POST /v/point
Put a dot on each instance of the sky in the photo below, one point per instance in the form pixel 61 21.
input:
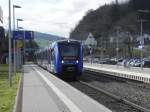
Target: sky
pixel 57 17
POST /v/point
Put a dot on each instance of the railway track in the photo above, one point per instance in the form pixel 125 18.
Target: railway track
pixel 111 100
pixel 121 100
pixel 131 90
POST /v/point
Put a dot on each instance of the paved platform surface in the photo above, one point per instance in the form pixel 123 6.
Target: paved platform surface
pixel 43 92
pixel 133 72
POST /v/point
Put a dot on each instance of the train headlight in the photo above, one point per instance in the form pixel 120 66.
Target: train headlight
pixel 77 61
pixel 62 61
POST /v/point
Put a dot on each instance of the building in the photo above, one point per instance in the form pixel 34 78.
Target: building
pixel 90 40
pixel 144 40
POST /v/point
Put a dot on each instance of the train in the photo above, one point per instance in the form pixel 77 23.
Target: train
pixel 63 58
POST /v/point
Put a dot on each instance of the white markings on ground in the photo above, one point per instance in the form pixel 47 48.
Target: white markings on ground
pixel 72 107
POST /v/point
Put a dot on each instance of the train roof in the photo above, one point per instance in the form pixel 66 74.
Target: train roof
pixel 67 41
pixel 56 42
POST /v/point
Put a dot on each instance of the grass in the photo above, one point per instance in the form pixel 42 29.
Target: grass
pixel 7 93
pixel 3 68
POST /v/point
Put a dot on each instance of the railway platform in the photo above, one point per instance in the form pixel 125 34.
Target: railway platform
pixel 134 73
pixel 43 92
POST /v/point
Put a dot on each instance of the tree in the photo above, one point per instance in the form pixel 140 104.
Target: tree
pixel 139 4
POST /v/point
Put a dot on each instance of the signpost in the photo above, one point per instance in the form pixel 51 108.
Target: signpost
pixel 21 36
pixel 90 42
pixel 19 44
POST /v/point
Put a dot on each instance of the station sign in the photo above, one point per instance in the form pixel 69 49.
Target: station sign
pixel 29 35
pixel 20 35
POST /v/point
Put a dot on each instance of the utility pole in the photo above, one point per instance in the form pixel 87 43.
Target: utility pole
pixel 10 35
pixel 101 48
pixel 117 44
pixel 24 46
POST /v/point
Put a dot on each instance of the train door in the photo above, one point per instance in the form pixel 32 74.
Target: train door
pixel 52 60
pixel 49 59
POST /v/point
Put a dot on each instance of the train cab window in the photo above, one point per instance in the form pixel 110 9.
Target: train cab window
pixel 69 50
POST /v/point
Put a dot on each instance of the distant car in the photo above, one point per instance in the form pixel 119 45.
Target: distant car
pixel 137 63
pixel 146 63
pixel 102 62
pixel 111 62
pixel 132 62
pixel 95 60
pixel 120 63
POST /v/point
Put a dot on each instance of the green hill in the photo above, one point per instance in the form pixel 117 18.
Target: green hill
pixel 105 21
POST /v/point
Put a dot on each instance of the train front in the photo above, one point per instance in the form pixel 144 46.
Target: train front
pixel 71 59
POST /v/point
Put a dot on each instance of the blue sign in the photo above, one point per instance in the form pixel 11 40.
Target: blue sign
pixel 20 35
pixel 29 35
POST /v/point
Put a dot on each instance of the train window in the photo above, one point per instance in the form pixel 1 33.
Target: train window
pixel 69 50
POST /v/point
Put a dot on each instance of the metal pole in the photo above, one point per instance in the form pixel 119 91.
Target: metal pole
pixel 20 62
pixel 24 46
pixel 14 40
pixel 141 43
pixel 10 63
pixel 141 28
pixel 101 49
pixel 117 47
pixel 17 24
pixel 19 49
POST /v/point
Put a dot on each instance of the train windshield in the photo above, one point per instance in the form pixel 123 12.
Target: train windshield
pixel 69 50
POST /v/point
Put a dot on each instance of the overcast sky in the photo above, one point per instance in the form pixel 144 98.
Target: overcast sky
pixel 56 17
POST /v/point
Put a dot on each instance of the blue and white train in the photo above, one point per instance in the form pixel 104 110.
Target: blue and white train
pixel 64 58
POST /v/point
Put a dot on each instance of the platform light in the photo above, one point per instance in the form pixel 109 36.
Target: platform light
pixel 77 61
pixel 14 7
pixel 62 61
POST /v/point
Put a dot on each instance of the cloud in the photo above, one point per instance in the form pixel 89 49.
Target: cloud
pixel 51 16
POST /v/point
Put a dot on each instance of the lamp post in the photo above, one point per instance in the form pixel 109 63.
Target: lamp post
pixel 14 6
pixel 9 34
pixel 19 54
pixel 24 44
pixel 18 22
